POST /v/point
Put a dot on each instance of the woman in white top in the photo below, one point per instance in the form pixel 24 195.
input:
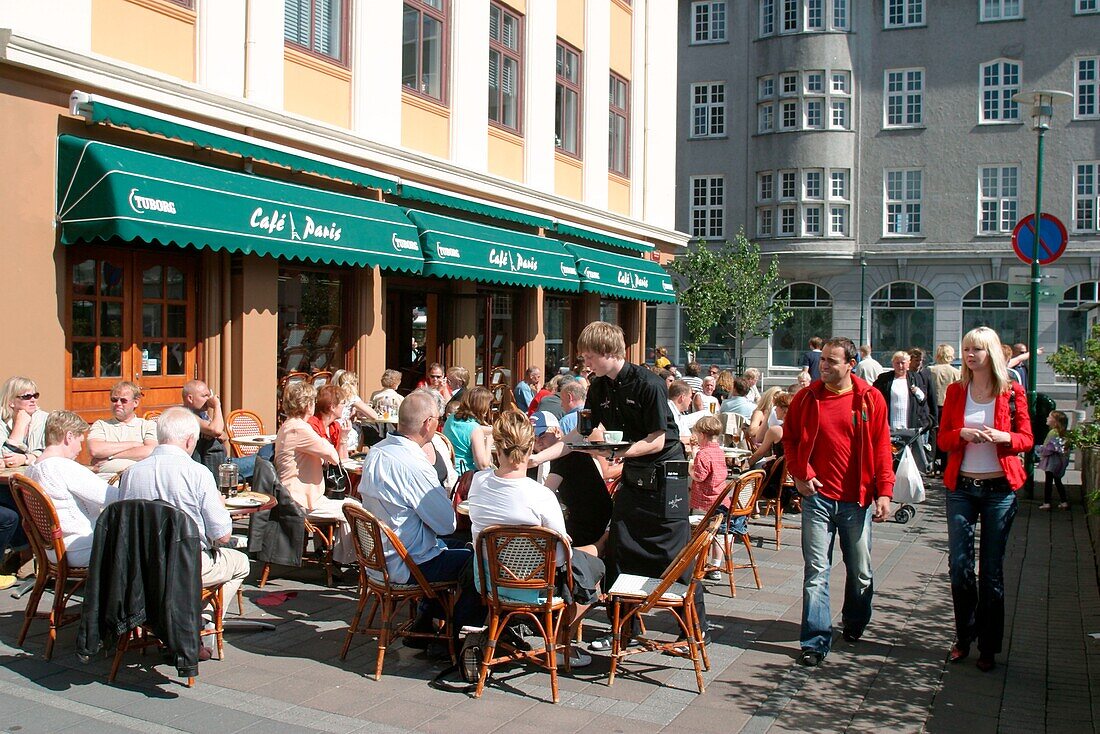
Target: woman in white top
pixel 78 495
pixel 354 408
pixel 906 402
pixel 762 417
pixel 507 496
pixel 387 400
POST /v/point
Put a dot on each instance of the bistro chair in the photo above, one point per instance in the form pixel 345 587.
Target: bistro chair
pixel 745 491
pixel 327 336
pixel 151 415
pixel 778 468
pixel 518 566
pixel 369 534
pixel 321 378
pixel 242 424
pixel 323 533
pixel 47 542
pixel 295 359
pixel 295 336
pixel 631 597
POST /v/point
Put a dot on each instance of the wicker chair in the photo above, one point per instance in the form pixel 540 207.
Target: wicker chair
pixel 152 415
pixel 46 539
pixel 631 597
pixel 744 490
pixel 323 532
pixel 521 560
pixel 776 505
pixel 241 424
pixel 375 585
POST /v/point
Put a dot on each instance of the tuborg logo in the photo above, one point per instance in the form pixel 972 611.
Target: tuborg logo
pixel 141 204
pixel 568 270
pixel 403 244
pixel 591 274
pixel 445 252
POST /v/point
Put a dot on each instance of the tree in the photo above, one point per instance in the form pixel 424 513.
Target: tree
pixel 728 291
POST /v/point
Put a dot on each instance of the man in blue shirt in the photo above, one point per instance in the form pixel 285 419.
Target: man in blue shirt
pixel 811 360
pixel 738 402
pixel 525 391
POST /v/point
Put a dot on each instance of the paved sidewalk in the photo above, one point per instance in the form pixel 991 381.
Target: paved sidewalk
pixel 895 679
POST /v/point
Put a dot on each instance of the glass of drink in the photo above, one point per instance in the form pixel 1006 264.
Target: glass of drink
pixel 584 423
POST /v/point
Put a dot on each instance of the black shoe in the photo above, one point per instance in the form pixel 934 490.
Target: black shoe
pixel 852 636
pixel 424 624
pixel 509 636
pixel 986 663
pixel 810 658
pixel 958 653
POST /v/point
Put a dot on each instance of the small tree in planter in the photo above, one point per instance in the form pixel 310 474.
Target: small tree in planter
pixel 1084 367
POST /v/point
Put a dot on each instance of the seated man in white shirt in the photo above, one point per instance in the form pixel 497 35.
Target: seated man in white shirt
pixel 125 439
pixel 77 494
pixel 169 474
pixel 680 396
pixel 705 399
pixel 402 489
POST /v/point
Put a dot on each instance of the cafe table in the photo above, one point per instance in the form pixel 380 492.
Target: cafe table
pixel 257 441
pixel 242 505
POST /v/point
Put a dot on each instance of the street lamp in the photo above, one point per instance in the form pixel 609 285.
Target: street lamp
pixel 1042 103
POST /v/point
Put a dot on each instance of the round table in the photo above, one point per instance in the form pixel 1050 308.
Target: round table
pixel 266 503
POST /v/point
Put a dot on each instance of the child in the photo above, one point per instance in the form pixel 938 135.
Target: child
pixel 1052 459
pixel 708 476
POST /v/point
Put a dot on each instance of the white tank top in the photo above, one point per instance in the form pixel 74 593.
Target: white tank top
pixel 979 458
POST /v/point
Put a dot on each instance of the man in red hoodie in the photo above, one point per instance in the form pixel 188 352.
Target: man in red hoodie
pixel 836 439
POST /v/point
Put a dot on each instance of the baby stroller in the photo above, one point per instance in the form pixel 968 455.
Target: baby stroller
pixel 909 487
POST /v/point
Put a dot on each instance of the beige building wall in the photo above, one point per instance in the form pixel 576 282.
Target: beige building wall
pixel 621 39
pixel 568 176
pixel 316 88
pixel 571 22
pixel 255 357
pixel 153 34
pixel 425 126
pixel 506 154
pixel 618 194
pixel 370 344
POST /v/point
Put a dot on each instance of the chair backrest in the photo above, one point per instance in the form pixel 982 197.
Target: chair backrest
pixel 296 335
pixel 39 518
pixel 295 359
pixel 774 469
pixel 326 335
pixel 693 555
pixel 712 511
pixel 746 492
pixel 241 424
pixel 519 558
pixel 152 415
pixel 367 533
pixel 321 378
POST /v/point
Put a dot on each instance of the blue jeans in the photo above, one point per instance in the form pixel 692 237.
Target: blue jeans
pixel 979 601
pixel 11 529
pixel 822 520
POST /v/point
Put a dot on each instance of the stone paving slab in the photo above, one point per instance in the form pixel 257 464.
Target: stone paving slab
pixel 895 679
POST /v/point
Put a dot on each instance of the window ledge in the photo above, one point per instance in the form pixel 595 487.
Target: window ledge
pixel 171 9
pixel 316 62
pixel 503 132
pixel 893 236
pixel 1000 122
pixel 619 178
pixel 568 158
pixel 887 128
pixel 708 137
pixel 904 27
pixel 418 100
pixel 1021 19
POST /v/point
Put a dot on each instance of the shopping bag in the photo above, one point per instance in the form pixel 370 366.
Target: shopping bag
pixel 909 486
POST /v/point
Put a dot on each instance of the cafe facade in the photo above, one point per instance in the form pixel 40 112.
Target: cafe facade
pixel 148 240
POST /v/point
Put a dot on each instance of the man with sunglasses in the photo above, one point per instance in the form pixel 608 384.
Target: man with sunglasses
pixel 125 438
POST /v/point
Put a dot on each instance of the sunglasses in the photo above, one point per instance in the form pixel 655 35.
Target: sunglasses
pixel 436 377
pixel 28 396
pixel 119 400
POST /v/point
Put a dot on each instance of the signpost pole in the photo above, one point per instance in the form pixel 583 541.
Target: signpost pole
pixel 1033 309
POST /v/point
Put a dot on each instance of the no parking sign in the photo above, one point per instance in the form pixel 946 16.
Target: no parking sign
pixel 1052 239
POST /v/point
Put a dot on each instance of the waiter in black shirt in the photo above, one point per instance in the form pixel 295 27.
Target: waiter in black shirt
pixel 646 533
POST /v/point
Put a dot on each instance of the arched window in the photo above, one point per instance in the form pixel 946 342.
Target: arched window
pixel 1073 323
pixel 989 305
pixel 902 316
pixel 811 315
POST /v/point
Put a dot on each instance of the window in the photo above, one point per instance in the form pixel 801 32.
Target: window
pixel 788 116
pixel 904 97
pixel 558 326
pixel 840 15
pixel 424 47
pixel 811 315
pixel 1086 6
pixel 838 185
pixel 317 26
pixel 767 17
pixel 1085 197
pixel 840 82
pixel 1085 88
pixel 815 82
pixel 765 186
pixel 786 221
pixel 567 100
pixel 815 15
pixel 839 117
pixel 838 221
pixel 708 110
pixel 904 13
pixel 1000 80
pixel 765 118
pixel 812 189
pixel 708 21
pixel 808 101
pixel 997 199
pixel 765 87
pixel 903 202
pixel 1073 322
pixel 902 314
pixel 505 66
pixel 788 84
pixel 811 221
pixel 1001 9
pixel 989 305
pixel 312 304
pixel 618 155
pixel 708 202
pixel 764 222
pixel 815 118
pixel 802 195
pixel 811 16
pixel 787 183
pixel 790 15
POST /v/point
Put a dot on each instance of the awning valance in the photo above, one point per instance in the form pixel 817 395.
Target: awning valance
pixel 592 235
pixel 622 276
pixel 455 248
pixel 107 191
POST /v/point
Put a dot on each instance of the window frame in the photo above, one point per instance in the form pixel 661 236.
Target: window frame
pixel 711 108
pixel 904 95
pixel 621 113
pixel 444 17
pixel 1004 92
pixel 1093 83
pixel 1080 9
pixel 787 195
pixel 516 55
pixel 982 18
pixel 570 86
pixel 906 12
pixel 709 208
pixel 344 59
pixel 1093 197
pixel 905 202
pixel 710 38
pixel 999 199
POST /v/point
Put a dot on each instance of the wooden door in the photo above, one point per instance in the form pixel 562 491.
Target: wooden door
pixel 132 316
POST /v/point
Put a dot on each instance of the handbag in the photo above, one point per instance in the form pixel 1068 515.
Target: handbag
pixel 337 481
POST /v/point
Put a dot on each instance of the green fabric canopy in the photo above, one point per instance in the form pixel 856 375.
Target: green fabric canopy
pixel 439 198
pixel 106 191
pixel 99 111
pixel 456 248
pixel 622 276
pixel 591 235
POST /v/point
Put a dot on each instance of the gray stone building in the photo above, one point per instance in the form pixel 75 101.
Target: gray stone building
pixel 873 146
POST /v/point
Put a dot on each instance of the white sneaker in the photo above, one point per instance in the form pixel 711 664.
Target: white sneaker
pixel 578 659
pixel 1044 506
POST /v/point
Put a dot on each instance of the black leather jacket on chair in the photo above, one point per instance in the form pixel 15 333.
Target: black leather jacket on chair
pixel 145 570
pixel 276 535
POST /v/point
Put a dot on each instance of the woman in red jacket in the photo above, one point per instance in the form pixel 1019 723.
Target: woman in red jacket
pixel 984 427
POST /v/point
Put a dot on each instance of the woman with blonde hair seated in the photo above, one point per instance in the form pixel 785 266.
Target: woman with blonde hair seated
pixel 22 422
pixel 507 496
pixel 354 409
pixel 763 417
pixel 300 455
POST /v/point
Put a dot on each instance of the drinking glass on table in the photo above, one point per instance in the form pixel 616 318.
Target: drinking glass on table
pixel 584 423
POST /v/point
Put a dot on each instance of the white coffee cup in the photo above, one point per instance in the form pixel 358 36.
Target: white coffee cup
pixel 613 436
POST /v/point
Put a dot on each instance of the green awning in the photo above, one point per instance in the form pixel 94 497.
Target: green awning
pixel 106 191
pixel 455 248
pixel 206 137
pixel 622 276
pixel 591 235
pixel 473 206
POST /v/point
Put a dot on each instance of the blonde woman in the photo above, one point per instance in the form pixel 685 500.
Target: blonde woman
pixel 763 417
pixel 985 426
pixel 22 423
pixel 354 408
